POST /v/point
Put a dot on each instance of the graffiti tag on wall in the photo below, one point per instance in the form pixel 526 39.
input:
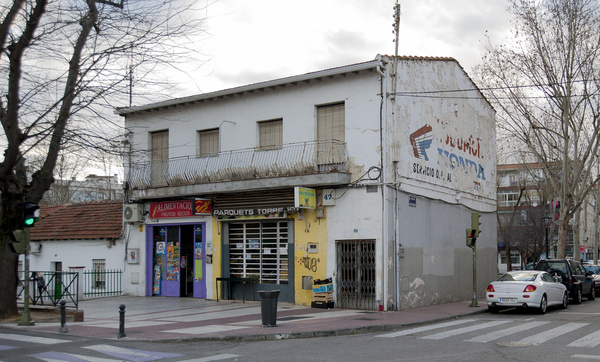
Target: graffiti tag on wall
pixel 309 263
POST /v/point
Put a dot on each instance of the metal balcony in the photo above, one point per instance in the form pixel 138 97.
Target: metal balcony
pixel 296 159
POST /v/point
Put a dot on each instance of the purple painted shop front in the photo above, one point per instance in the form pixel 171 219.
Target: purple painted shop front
pixel 176 260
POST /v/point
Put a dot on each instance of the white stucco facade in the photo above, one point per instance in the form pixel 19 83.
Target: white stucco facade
pixel 78 254
pixel 419 159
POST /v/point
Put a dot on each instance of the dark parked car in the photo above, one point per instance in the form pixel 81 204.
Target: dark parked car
pixel 573 275
pixel 595 269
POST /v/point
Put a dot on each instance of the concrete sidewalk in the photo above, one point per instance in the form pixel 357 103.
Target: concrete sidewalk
pixel 178 319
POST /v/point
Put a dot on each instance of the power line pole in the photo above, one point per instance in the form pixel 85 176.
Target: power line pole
pixel 396 25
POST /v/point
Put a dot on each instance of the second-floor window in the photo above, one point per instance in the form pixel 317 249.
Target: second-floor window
pixel 160 147
pixel 331 123
pixel 331 134
pixel 270 134
pixel 159 155
pixel 208 142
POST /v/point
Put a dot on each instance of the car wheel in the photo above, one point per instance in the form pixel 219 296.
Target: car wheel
pixel 543 305
pixel 492 309
pixel 592 294
pixel 578 297
pixel 565 301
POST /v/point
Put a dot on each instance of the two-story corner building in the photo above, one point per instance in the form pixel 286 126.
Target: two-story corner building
pixel 366 174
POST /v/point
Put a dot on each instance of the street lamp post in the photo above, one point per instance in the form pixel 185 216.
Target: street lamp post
pixel 546 220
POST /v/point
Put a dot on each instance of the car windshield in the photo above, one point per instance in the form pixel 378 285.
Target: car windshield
pixel 518 277
pixel 549 266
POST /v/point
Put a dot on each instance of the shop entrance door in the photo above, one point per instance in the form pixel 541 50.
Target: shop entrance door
pixel 260 251
pixel 186 270
pixel 356 274
pixel 177 267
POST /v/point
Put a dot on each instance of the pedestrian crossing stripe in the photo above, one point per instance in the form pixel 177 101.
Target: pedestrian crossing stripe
pixel 590 340
pixel 217 357
pixel 488 337
pixel 131 354
pixel 463 330
pixel 552 333
pixel 31 339
pixel 425 328
pixel 61 356
pixel 585 356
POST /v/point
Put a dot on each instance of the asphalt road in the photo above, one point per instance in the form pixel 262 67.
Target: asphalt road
pixel 559 335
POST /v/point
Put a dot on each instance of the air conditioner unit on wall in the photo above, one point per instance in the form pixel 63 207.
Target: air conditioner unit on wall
pixel 131 213
pixel 35 248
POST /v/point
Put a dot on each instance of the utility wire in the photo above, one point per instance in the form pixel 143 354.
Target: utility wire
pixel 435 93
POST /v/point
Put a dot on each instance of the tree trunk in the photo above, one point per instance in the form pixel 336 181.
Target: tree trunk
pixel 8 286
pixel 563 226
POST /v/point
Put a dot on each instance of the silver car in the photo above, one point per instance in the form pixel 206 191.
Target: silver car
pixel 526 289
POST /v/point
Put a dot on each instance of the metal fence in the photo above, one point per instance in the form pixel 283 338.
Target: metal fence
pixel 247 164
pixel 102 283
pixel 51 288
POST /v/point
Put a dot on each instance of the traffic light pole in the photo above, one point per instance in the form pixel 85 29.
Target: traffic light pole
pixel 473 234
pixel 26 318
pixel 474 301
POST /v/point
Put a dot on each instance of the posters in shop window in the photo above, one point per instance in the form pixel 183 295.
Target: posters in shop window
pixel 172 261
pixel 197 262
pixel 198 254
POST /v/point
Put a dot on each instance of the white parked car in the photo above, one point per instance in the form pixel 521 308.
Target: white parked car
pixel 526 289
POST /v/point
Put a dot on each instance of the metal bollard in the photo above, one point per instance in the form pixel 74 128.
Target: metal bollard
pixel 121 321
pixel 63 317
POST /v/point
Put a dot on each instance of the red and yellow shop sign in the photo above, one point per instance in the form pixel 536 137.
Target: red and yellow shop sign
pixel 202 206
pixel 184 208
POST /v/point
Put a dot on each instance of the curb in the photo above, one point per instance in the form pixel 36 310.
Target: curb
pixel 272 334
pixel 304 335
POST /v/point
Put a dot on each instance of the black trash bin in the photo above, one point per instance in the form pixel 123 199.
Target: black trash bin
pixel 268 307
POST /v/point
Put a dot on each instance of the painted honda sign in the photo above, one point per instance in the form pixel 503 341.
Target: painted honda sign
pixel 452 155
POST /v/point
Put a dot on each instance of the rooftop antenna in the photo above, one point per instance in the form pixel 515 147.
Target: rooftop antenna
pixel 396 25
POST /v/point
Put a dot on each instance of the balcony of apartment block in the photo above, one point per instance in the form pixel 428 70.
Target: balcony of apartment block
pixel 307 164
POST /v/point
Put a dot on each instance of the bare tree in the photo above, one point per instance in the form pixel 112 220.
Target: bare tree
pixel 545 85
pixel 508 230
pixel 520 227
pixel 64 66
pixel 65 173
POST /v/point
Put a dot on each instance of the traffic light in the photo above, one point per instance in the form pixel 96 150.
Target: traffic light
pixel 20 241
pixel 475 223
pixel 471 238
pixel 31 214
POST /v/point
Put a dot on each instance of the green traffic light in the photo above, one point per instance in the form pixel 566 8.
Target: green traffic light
pixel 31 214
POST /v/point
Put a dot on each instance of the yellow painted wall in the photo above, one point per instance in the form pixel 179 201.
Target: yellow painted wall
pixel 216 254
pixel 309 229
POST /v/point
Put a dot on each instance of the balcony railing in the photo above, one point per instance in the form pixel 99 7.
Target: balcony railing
pixel 289 160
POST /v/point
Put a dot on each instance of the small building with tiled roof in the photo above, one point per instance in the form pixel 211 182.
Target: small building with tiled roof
pixel 79 236
pixel 80 221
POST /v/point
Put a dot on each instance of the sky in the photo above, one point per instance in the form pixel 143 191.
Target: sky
pixel 249 41
pixel 260 40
